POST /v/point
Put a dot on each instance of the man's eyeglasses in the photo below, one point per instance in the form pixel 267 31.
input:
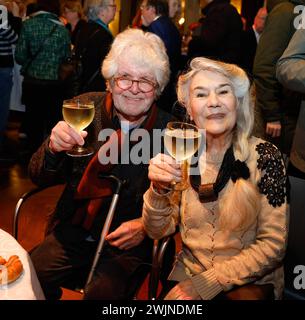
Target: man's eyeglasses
pixel 126 83
pixel 111 5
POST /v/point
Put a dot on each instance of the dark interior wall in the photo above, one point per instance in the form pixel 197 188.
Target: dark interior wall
pixel 249 9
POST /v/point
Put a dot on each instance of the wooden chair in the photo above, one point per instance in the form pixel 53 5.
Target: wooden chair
pixel 32 212
pixel 163 258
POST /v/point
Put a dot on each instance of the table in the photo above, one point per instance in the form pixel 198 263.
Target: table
pixel 27 286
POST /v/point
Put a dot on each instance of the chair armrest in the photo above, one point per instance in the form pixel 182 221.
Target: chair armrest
pixel 159 249
pixel 20 203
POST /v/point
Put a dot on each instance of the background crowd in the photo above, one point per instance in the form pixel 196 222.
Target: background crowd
pixel 81 29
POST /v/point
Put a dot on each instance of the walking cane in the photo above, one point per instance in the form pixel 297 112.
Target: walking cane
pixel 108 221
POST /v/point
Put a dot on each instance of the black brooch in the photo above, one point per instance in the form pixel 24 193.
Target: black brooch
pixel 230 168
pixel 240 170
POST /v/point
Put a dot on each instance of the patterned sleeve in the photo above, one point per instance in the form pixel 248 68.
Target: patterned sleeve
pixel 274 182
pixel 8 35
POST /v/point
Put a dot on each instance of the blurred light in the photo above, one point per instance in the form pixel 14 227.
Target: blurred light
pixel 237 5
pixel 181 21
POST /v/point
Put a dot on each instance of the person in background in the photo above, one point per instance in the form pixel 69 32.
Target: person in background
pixel 250 39
pixel 279 107
pixel 155 18
pixel 94 42
pixel 137 20
pixel 72 11
pixel 174 8
pixel 219 36
pixel 17 7
pixel 40 54
pixel 136 70
pixel 8 37
pixel 31 8
pixel 290 71
pixel 233 217
pixel 17 11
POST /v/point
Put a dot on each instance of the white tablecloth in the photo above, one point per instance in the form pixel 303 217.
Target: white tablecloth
pixel 27 286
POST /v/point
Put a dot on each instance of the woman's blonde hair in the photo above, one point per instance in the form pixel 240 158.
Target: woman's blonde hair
pixel 239 203
pixel 72 5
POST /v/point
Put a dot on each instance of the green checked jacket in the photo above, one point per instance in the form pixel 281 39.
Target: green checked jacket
pixel 55 49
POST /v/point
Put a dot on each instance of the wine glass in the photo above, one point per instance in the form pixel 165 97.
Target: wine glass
pixel 182 140
pixel 78 113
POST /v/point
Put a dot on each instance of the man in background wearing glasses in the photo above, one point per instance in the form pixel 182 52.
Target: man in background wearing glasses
pixel 155 16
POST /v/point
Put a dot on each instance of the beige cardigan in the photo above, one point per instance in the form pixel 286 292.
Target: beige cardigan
pixel 216 260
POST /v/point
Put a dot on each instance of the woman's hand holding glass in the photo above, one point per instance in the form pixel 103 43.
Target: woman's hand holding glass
pixel 64 138
pixel 163 170
pixel 181 140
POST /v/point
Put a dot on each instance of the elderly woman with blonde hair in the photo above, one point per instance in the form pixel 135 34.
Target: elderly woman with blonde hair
pixel 233 216
pixel 72 11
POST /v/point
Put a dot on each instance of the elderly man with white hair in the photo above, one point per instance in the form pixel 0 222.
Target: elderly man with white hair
pixel 136 70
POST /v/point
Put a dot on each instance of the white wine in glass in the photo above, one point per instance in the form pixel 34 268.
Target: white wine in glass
pixel 78 113
pixel 182 140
